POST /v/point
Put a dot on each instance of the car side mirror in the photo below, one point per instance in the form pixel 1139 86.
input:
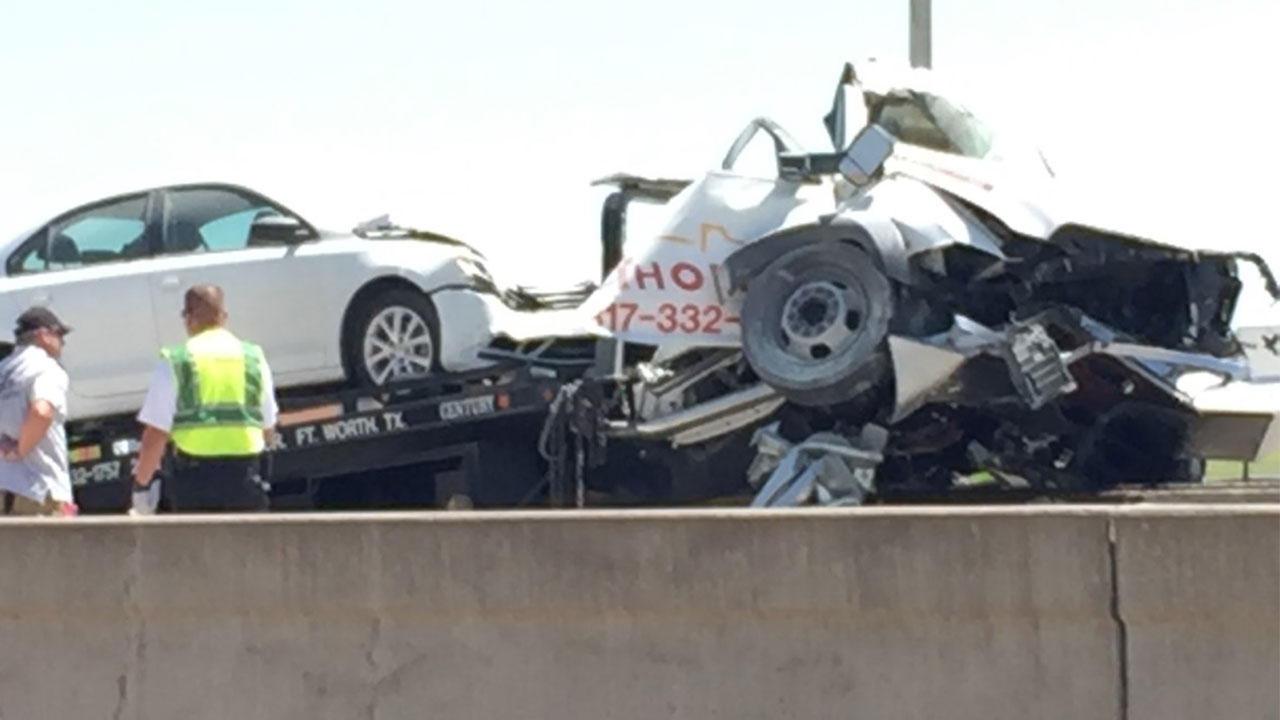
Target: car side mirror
pixel 277 229
pixel 866 155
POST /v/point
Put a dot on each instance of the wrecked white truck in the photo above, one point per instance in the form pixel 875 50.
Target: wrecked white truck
pixel 902 312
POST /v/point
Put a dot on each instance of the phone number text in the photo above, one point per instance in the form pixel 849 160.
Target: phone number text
pixel 668 317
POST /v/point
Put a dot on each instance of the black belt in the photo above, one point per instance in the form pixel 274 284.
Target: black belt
pixel 187 459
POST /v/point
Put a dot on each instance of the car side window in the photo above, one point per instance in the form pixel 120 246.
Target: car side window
pixel 212 219
pixel 113 231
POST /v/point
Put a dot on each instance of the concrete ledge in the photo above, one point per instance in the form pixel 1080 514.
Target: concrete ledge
pixel 736 613
pixel 648 515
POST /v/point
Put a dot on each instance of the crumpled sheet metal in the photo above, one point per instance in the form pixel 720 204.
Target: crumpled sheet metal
pixel 826 468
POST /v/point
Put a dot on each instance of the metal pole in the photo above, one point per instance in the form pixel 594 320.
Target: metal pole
pixel 921 33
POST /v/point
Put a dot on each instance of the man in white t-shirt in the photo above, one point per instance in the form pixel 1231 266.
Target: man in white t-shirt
pixel 34 475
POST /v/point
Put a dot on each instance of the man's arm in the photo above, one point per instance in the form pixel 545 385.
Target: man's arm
pixel 154 441
pixel 45 399
pixel 270 410
pixel 156 418
pixel 34 426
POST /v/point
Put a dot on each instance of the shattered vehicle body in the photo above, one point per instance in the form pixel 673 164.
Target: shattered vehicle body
pixel 905 311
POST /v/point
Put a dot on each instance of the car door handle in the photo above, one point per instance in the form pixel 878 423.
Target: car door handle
pixel 169 283
pixel 43 298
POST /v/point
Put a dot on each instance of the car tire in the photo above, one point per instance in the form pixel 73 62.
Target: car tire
pixel 394 336
pixel 1140 443
pixel 814 324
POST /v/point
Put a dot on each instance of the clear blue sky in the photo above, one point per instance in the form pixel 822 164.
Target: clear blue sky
pixel 487 120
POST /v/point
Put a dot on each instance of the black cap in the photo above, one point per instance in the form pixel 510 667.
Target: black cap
pixel 39 317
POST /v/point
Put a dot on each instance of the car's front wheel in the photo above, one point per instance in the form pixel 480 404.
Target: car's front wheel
pixel 394 337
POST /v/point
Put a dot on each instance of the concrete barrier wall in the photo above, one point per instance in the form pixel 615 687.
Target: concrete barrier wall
pixel 897 613
pixel 1199 594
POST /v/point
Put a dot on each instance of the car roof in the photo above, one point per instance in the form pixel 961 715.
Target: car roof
pixel 69 205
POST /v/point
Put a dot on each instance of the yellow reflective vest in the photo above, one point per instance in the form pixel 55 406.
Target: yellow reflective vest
pixel 219 395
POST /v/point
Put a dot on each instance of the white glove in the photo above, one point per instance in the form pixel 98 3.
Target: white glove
pixel 146 499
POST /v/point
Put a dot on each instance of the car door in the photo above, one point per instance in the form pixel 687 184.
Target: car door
pixel 271 284
pixel 91 266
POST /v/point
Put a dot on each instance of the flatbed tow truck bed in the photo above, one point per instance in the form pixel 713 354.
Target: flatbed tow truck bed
pixel 441 440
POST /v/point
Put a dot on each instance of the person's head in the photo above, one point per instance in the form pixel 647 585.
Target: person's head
pixel 202 308
pixel 38 326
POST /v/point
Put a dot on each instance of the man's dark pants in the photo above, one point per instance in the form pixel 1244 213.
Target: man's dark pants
pixel 222 484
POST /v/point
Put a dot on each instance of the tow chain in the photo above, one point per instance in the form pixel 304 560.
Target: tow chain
pixel 573 425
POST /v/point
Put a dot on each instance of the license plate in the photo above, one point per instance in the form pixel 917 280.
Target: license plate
pixel 471 407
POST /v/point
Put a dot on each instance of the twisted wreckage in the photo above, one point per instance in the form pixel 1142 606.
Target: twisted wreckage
pixel 901 312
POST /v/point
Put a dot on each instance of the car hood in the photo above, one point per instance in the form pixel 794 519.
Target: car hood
pixel 1035 206
pixel 382 228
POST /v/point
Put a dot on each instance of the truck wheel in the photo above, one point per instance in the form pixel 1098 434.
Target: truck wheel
pixel 814 323
pixel 393 337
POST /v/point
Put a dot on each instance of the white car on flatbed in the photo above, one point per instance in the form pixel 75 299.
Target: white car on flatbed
pixel 371 305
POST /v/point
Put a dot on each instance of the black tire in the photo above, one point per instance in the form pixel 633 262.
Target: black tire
pixel 838 279
pixel 1139 443
pixel 372 309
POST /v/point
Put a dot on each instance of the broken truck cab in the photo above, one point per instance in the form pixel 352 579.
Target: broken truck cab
pixel 908 308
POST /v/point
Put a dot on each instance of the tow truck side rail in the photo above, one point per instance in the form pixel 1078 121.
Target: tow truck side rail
pixel 325 433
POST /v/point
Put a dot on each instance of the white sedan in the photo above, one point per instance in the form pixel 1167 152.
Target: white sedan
pixel 371 305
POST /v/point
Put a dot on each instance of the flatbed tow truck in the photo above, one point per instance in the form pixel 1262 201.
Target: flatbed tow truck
pixel 445 440
pixel 469 440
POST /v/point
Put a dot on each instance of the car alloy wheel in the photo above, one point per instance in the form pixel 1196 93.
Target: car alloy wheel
pixel 397 345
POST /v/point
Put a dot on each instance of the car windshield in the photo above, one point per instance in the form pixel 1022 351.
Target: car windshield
pixel 934 122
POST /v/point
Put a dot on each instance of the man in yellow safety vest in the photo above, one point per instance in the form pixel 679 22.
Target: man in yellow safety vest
pixel 213 396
